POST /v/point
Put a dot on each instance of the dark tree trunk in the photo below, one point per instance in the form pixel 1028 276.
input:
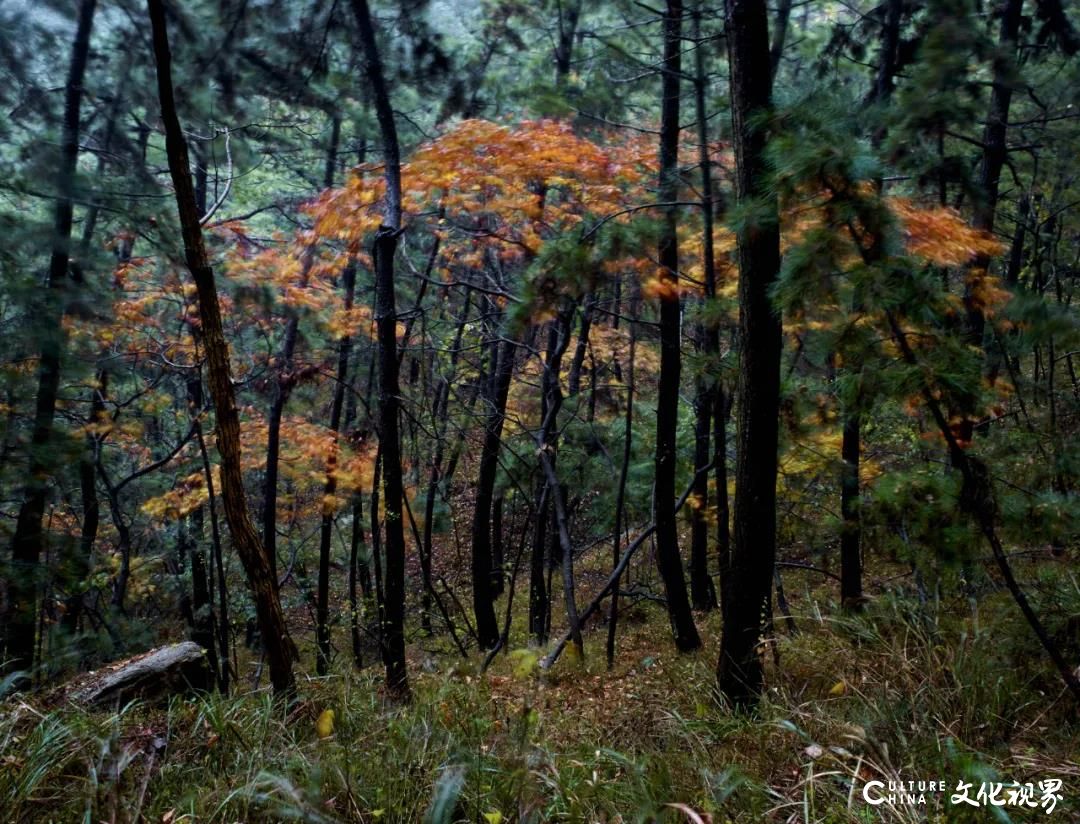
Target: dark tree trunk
pixel 702 589
pixel 215 545
pixel 498 554
pixel 776 51
pixel 200 605
pixel 487 626
pixel 279 647
pixel 91 505
pixel 573 379
pixel 273 445
pixel 28 542
pixel 376 553
pixel 851 588
pixel 620 495
pixel 884 82
pixel 202 626
pixel 569 13
pixel 386 329
pixel 539 602
pixel 995 153
pixel 748 583
pixel 355 568
pixel 87 474
pixel 667 405
pixel 721 410
pixel 1016 250
pixel 547 442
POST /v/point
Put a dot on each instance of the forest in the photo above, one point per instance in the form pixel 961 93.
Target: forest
pixel 501 411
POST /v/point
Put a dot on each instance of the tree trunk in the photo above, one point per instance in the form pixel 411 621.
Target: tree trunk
pixel 176 668
pixel 215 545
pixel 487 627
pixel 441 414
pixel 995 153
pixel 890 44
pixel 569 13
pixel 620 496
pixel 702 589
pixel 539 602
pixel 573 378
pixel 28 542
pixel 721 410
pixel 748 584
pixel 851 589
pixel 91 505
pixel 776 51
pixel 547 442
pixel 386 330
pixel 498 554
pixel 667 405
pixel 280 649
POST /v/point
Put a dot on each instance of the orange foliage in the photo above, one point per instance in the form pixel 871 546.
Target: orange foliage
pixel 940 236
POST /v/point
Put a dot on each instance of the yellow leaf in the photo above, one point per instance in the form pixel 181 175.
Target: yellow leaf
pixel 839 688
pixel 324 726
pixel 494 817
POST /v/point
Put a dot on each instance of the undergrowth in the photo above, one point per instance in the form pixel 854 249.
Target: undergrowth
pixel 900 692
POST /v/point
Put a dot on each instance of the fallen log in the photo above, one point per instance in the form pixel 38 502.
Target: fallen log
pixel 175 668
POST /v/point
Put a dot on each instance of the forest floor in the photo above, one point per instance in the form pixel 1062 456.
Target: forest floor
pixel 947 692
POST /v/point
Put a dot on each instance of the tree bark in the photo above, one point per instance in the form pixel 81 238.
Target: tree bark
pixel 215 545
pixel 620 495
pixel 667 405
pixel 280 649
pixel 177 668
pixel 386 331
pixel 547 442
pixel 487 627
pixel 748 584
pixel 702 589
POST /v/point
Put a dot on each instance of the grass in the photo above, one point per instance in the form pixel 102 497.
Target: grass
pixel 894 693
